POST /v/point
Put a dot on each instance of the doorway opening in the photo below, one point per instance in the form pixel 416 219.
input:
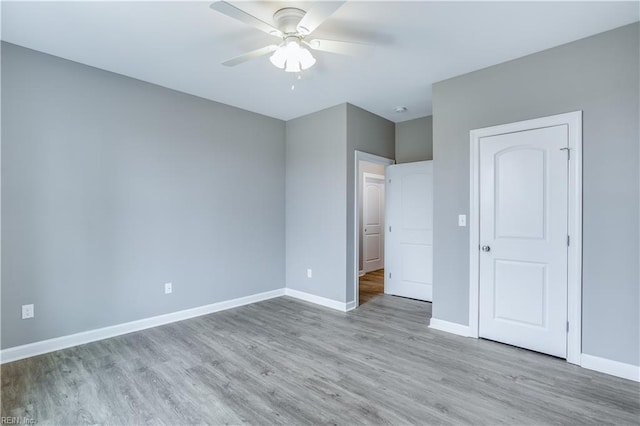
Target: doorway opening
pixel 369 226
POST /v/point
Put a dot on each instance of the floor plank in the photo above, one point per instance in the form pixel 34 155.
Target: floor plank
pixel 284 361
pixel 371 285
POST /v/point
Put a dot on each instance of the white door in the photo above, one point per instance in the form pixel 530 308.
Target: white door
pixel 523 239
pixel 409 232
pixel 372 222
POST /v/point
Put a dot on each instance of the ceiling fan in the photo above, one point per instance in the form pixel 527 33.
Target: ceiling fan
pixel 292 26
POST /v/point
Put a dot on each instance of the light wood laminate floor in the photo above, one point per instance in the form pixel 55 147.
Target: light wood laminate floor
pixel 371 285
pixel 284 361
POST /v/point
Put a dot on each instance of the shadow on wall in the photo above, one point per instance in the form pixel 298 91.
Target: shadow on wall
pixel 414 140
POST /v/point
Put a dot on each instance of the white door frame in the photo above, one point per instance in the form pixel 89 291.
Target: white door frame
pixel 366 175
pixel 371 158
pixel 573 121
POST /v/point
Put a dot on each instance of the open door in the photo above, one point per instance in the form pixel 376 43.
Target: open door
pixel 409 230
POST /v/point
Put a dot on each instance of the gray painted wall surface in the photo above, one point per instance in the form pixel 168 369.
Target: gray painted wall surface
pixel 316 198
pixel 320 195
pixel 112 187
pixel 369 133
pixel 598 75
pixel 414 140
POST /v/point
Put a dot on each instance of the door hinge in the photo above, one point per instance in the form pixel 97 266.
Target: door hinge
pixel 389 275
pixel 389 180
pixel 568 152
pixel 389 228
pixel 567 326
pixel 568 241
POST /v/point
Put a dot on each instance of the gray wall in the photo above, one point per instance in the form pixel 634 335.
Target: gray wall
pixel 321 192
pixel 112 187
pixel 414 140
pixel 369 133
pixel 316 198
pixel 598 75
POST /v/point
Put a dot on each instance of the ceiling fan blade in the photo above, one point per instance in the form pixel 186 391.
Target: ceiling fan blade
pixel 318 13
pixel 239 14
pixel 334 46
pixel 251 55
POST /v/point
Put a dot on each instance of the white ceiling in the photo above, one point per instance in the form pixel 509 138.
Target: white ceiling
pixel 180 45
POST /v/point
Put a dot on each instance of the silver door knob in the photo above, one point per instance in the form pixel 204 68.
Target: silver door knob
pixel 486 248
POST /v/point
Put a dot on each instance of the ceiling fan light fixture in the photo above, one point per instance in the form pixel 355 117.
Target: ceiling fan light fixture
pixel 292 57
pixel 291 25
pixel 306 59
pixel 292 66
pixel 279 57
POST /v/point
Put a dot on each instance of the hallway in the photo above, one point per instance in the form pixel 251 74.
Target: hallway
pixel 371 285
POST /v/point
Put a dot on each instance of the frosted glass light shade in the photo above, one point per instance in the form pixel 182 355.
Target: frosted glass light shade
pixel 306 59
pixel 292 66
pixel 279 57
pixel 292 57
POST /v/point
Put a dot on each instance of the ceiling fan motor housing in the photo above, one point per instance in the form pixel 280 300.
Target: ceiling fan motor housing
pixel 287 20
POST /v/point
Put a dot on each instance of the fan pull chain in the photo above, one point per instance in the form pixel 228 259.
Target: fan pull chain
pixel 298 77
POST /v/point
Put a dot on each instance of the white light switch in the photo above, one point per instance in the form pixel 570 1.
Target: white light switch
pixel 27 311
pixel 309 273
pixel 168 288
pixel 462 220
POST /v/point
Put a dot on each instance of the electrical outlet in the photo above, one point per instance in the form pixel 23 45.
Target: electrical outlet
pixel 309 273
pixel 168 288
pixel 27 311
pixel 462 220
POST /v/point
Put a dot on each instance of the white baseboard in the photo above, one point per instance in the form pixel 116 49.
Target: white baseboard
pixel 603 365
pixel 318 300
pixel 590 362
pixel 615 368
pixel 50 345
pixel 361 273
pixel 449 327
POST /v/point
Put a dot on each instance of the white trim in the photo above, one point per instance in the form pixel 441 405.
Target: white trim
pixel 350 306
pixel 371 158
pixel 615 368
pixel 574 288
pixel 361 273
pixel 319 300
pixel 31 349
pixel 449 327
pixel 373 175
pixel 574 297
